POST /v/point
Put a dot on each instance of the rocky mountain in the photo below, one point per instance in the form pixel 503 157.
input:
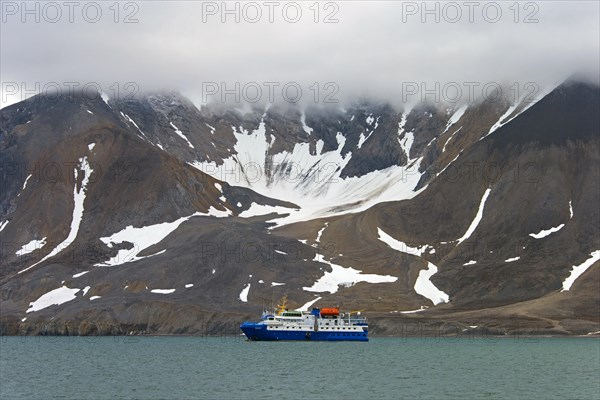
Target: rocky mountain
pixel 149 214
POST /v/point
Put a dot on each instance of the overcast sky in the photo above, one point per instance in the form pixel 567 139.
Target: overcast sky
pixel 375 49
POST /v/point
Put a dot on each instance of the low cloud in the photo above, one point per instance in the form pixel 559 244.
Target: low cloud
pixel 373 49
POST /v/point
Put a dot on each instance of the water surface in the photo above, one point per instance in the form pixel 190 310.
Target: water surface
pixel 231 368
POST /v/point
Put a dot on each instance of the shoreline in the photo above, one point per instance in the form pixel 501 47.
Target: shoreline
pixel 242 337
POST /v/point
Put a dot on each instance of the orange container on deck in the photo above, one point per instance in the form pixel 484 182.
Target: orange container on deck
pixel 332 311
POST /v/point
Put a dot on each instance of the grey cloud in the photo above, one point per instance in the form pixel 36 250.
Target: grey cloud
pixel 369 52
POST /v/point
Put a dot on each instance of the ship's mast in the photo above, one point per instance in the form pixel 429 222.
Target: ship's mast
pixel 281 307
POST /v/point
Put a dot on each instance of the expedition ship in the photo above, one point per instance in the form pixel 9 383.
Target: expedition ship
pixel 325 324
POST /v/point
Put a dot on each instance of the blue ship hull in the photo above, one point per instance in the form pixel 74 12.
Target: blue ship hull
pixel 259 332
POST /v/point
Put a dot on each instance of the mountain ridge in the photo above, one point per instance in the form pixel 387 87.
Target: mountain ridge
pixel 414 180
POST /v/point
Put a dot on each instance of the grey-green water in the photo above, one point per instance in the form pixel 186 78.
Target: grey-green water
pixel 230 368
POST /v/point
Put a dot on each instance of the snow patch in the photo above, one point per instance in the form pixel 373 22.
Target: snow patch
pixel 456 117
pixel 31 246
pixel 86 289
pixel 277 284
pixel 105 98
pixel 213 212
pixel 54 297
pixel 162 291
pixel 91 146
pixel 450 163
pixel 144 237
pixel 423 308
pixel 400 246
pixel 141 238
pixel 78 201
pixel 426 288
pixel 260 209
pixel 3 225
pixel 312 180
pixel 477 218
pixel 95 297
pixel 423 284
pixel 244 293
pixel 80 274
pixel 472 262
pixel 306 128
pixel 320 233
pixel 450 138
pixel 363 138
pixel 25 183
pixel 524 98
pixel 189 285
pixel 306 306
pixel 578 270
pixel 341 276
pixel 181 135
pixel 513 259
pixel 128 118
pixel 501 121
pixel 570 210
pixel 545 232
pixel 406 143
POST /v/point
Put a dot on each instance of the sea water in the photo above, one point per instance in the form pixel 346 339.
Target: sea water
pixel 232 368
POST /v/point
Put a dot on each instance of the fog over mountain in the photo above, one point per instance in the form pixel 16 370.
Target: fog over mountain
pixel 367 49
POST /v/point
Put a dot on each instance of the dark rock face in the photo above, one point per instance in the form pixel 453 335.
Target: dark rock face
pixel 537 168
pixel 536 172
